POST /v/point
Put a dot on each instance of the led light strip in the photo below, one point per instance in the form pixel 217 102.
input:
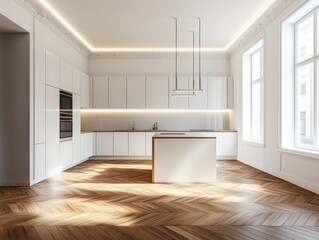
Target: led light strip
pixel 153 50
pixel 155 110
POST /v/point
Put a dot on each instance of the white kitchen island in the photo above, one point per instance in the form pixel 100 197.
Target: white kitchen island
pixel 184 157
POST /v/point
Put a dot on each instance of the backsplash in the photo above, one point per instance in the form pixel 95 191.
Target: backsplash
pixel 99 120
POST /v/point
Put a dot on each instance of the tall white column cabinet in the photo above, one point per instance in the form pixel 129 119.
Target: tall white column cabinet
pixel 52 70
pixel 117 92
pixel 136 92
pixel 157 92
pixel 76 157
pixel 66 76
pixel 100 92
pixel 52 131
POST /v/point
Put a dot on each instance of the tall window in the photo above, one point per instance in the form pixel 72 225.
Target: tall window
pixel 305 83
pixel 299 79
pixel 253 93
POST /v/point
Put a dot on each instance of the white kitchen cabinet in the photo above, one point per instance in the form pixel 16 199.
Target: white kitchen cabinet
pixel 66 153
pixel 148 143
pixel 157 92
pixel 217 92
pixel 76 76
pixel 121 144
pixel 87 145
pixel 66 78
pixel 100 92
pixel 85 91
pixel 136 144
pixel 117 92
pixel 136 92
pixel 104 144
pixel 53 165
pixel 199 101
pixel 76 129
pixel 178 102
pixel 39 162
pixel 39 83
pixel 52 70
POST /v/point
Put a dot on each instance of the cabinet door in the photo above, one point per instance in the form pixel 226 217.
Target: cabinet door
pixel 87 145
pixel 39 83
pixel 178 102
pixel 39 162
pixel 121 144
pixel 148 143
pixel 104 144
pixel 199 101
pixel 137 144
pixel 157 93
pixel 85 91
pixel 76 81
pixel 52 131
pixel 217 92
pixel 100 92
pixel 117 92
pixel 136 92
pixel 66 78
pixel 66 153
pixel 52 70
pixel 76 129
pixel 226 145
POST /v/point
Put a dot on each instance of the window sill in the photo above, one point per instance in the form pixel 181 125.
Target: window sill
pixel 256 144
pixel 306 153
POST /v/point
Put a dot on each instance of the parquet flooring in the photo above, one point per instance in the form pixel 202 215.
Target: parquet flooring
pixel 116 200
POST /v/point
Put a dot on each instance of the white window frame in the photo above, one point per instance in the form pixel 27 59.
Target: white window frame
pixel 248 82
pixel 314 60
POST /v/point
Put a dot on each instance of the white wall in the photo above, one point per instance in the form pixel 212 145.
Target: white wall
pixel 297 169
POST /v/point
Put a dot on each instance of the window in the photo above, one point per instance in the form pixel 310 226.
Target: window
pixel 299 79
pixel 253 93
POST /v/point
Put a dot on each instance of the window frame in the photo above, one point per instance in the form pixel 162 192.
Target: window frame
pixel 248 54
pixel 314 59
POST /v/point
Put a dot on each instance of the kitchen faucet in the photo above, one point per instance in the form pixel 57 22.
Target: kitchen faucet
pixel 133 125
pixel 155 126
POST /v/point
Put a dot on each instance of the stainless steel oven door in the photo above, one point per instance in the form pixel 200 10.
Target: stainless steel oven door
pixel 65 129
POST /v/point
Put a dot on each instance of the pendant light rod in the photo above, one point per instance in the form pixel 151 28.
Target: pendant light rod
pixel 193 59
pixel 200 52
pixel 176 53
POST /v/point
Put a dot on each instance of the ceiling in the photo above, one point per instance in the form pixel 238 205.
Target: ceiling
pixel 149 25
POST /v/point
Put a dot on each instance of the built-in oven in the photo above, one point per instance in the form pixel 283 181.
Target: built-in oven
pixel 66 115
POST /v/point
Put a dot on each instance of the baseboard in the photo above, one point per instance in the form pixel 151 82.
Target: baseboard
pixel 120 158
pixel 15 184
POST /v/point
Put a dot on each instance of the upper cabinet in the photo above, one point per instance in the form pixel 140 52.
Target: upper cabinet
pixel 117 92
pixel 178 102
pixel 52 70
pixel 199 101
pixel 76 81
pixel 217 93
pixel 100 92
pixel 157 92
pixel 66 78
pixel 136 92
pixel 85 91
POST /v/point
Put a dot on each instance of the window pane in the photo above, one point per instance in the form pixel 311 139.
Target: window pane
pixel 304 105
pixel 256 111
pixel 256 65
pixel 305 36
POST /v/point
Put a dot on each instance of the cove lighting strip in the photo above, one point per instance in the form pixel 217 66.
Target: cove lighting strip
pixel 152 50
pixel 155 110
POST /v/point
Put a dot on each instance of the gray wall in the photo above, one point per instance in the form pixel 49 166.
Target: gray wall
pixel 14 108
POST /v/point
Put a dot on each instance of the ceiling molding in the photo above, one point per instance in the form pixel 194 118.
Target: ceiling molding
pixel 260 24
pixel 47 18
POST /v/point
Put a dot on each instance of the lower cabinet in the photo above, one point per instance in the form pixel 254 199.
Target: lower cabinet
pixel 136 144
pixel 104 143
pixel 66 154
pixel 87 145
pixel 39 162
pixel 120 144
pixel 149 139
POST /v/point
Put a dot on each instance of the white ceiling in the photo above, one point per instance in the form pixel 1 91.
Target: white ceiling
pixel 147 24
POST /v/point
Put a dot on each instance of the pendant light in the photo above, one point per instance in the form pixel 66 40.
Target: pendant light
pixel 190 91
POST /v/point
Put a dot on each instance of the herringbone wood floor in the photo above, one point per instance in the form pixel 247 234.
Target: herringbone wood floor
pixel 116 200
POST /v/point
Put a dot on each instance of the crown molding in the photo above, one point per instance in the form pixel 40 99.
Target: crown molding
pixel 42 14
pixel 273 11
